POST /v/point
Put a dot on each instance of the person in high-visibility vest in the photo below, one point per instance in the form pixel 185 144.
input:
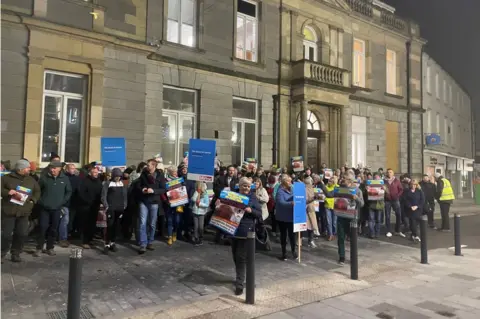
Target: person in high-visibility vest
pixel 445 198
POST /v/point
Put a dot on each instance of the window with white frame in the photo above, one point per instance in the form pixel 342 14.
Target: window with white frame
pixel 309 43
pixel 452 141
pixel 428 80
pixel 181 22
pixel 244 129
pixel 437 86
pixel 178 122
pixel 391 72
pixel 359 62
pixel 445 92
pixel 429 121
pixel 446 130
pixel 247 30
pixel 359 140
pixel 450 98
pixel 437 125
pixel 63 116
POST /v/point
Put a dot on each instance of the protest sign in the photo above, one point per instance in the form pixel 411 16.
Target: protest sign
pixel 21 195
pixel 345 206
pixel 210 193
pixel 297 164
pixel 299 207
pixel 376 189
pixel 251 164
pixel 201 160
pixel 113 151
pixel 229 211
pixel 328 173
pixel 319 198
pixel 177 192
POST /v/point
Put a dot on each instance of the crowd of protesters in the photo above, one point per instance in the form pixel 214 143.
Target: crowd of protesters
pixel 64 203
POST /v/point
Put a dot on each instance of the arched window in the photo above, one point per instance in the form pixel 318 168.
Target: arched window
pixel 312 121
pixel 310 43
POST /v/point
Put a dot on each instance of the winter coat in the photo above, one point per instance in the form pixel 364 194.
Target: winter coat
pixel 155 181
pixel 411 199
pixel 74 182
pixel 247 224
pixel 11 181
pixel 56 191
pixel 222 182
pixel 262 197
pixel 202 207
pixel 114 195
pixel 395 189
pixel 89 192
pixel 284 206
pixel 429 190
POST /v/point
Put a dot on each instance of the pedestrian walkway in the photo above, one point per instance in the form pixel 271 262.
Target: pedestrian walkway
pixel 187 282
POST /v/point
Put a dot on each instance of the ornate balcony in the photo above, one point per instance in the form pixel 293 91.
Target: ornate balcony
pixel 361 6
pixel 315 72
pixel 392 21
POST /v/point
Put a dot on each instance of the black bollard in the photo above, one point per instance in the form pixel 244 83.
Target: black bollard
pixel 353 250
pixel 423 238
pixel 250 282
pixel 456 226
pixel 74 284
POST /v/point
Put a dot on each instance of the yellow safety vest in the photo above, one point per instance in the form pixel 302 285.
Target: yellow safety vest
pixel 447 192
pixel 329 202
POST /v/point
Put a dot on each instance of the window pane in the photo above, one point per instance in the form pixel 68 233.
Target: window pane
pixel 244 109
pixel 187 35
pixel 309 34
pixel 173 9
pixel 186 133
pixel 62 83
pixel 247 8
pixel 251 40
pixel 169 138
pixel 73 131
pixel 358 46
pixel 240 38
pixel 172 31
pixel 178 100
pixel 188 12
pixel 250 139
pixel 237 143
pixel 52 117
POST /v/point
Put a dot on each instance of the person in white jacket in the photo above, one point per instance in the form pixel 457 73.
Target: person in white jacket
pixel 262 196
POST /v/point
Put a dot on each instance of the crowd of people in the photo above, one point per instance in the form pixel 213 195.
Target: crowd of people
pixel 62 202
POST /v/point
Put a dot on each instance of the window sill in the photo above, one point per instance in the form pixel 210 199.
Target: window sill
pixel 83 3
pixel 395 96
pixel 241 62
pixel 181 46
pixel 362 89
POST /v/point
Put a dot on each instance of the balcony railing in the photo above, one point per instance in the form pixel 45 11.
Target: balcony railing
pixel 392 21
pixel 361 6
pixel 321 73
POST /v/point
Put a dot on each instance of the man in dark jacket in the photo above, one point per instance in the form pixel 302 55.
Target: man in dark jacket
pixel 429 191
pixel 56 192
pixel 151 187
pixel 392 201
pixel 19 193
pixel 89 192
pixel 69 211
pixel 225 181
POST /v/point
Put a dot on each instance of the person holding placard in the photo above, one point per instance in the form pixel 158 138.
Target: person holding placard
pixel 19 193
pixel 284 214
pixel 199 204
pixel 331 218
pixel 375 190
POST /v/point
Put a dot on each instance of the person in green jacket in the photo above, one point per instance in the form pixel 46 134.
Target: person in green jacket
pixel 56 192
pixel 20 192
pixel 375 210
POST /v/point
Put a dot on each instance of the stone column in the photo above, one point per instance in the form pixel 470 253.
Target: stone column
pixel 342 136
pixel 333 159
pixel 303 131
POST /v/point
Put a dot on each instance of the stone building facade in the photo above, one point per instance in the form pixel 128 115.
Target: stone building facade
pixel 448 115
pixel 266 79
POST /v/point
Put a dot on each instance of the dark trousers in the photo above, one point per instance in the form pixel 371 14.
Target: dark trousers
pixel 273 221
pixel 286 228
pixel 14 233
pixel 239 253
pixel 113 224
pixel 343 231
pixel 431 212
pixel 444 212
pixel 49 221
pixel 414 219
pixel 395 205
pixel 89 217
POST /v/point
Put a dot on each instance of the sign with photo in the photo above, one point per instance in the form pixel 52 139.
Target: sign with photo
pixel 327 173
pixel 344 205
pixel 319 198
pixel 229 211
pixel 297 164
pixel 177 192
pixel 376 189
pixel 21 195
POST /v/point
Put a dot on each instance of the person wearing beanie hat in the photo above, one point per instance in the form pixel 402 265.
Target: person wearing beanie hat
pixel 19 193
pixel 54 157
pixel 114 200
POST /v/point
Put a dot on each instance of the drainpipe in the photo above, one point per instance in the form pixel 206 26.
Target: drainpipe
pixel 276 106
pixel 276 99
pixel 409 112
pixel 421 125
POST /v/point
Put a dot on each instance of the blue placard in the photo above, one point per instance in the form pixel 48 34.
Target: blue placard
pixel 432 139
pixel 201 160
pixel 113 151
pixel 299 207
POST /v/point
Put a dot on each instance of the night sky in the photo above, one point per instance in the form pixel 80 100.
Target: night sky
pixel 452 29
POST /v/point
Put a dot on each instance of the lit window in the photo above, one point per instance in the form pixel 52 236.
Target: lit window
pixel 181 22
pixel 359 63
pixel 359 140
pixel 244 130
pixel 309 44
pixel 312 121
pixel 178 123
pixel 63 119
pixel 391 72
pixel 247 30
